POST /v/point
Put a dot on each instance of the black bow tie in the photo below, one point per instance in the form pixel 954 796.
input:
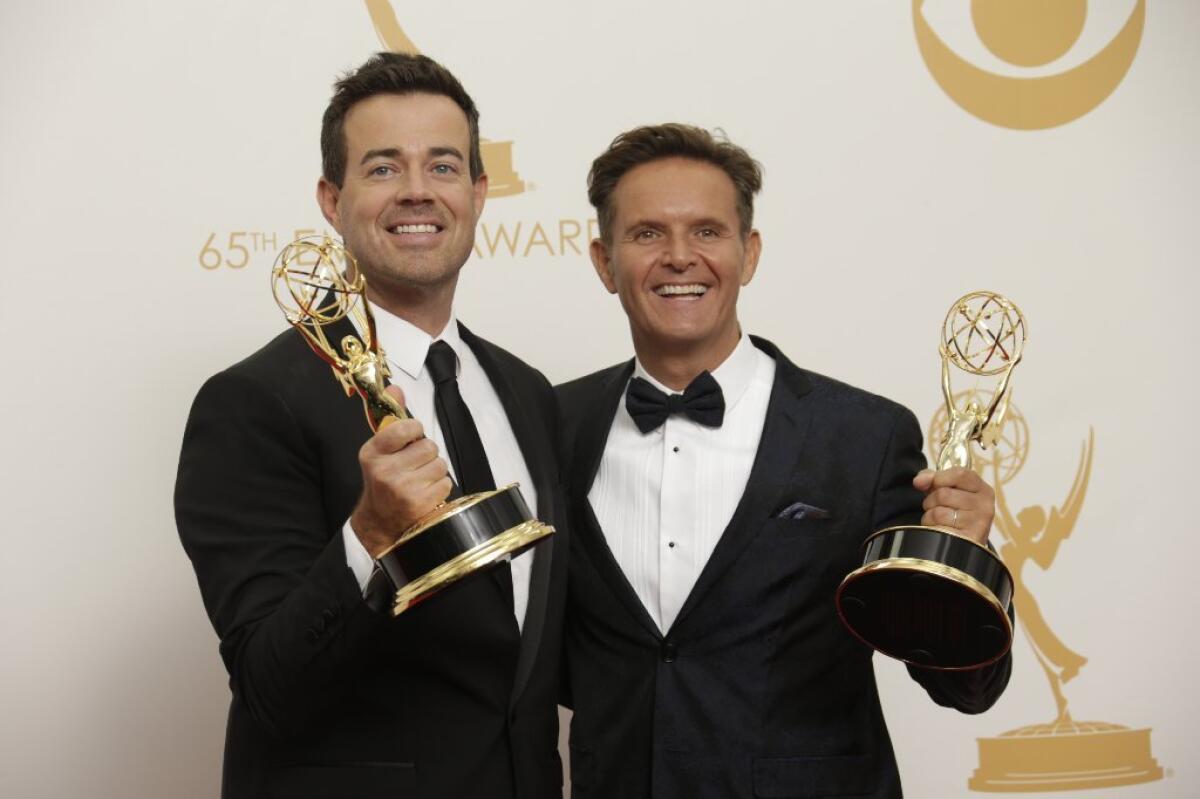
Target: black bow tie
pixel 702 402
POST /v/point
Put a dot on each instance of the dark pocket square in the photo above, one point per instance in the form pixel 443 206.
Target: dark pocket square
pixel 802 510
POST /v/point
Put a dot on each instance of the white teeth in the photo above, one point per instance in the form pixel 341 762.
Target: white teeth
pixel 414 229
pixel 691 288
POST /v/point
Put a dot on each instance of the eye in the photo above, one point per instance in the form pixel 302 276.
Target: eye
pixel 707 233
pixel 381 170
pixel 445 169
pixel 645 234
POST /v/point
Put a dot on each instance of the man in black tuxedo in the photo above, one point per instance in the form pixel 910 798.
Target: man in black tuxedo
pixel 284 497
pixel 719 494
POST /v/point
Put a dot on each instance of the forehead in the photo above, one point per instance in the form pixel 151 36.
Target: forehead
pixel 672 189
pixel 405 121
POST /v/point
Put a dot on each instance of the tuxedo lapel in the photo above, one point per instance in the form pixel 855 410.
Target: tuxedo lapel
pixel 597 419
pixel 587 453
pixel 778 456
pixel 537 457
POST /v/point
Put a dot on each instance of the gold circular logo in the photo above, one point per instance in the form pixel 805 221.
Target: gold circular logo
pixel 1027 33
pixel 1021 32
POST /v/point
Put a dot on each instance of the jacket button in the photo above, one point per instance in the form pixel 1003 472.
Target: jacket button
pixel 329 614
pixel 669 651
pixel 313 635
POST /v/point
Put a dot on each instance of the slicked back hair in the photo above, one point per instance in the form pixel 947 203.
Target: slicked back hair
pixel 390 73
pixel 671 140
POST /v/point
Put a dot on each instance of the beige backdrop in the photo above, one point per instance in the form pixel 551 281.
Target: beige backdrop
pixel 908 159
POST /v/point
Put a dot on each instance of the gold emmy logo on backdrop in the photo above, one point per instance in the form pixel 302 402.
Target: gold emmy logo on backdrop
pixel 1030 33
pixel 503 180
pixel 1063 754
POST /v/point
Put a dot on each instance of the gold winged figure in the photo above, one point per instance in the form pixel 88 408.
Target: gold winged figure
pixel 1033 534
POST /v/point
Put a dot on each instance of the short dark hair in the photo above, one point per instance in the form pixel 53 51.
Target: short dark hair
pixel 390 73
pixel 672 140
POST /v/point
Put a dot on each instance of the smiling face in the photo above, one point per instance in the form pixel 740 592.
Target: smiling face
pixel 407 207
pixel 677 258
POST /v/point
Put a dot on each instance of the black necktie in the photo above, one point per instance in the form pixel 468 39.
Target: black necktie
pixel 702 402
pixel 463 445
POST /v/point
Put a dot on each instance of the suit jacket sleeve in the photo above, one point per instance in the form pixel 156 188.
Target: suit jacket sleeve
pixel 898 502
pixel 269 560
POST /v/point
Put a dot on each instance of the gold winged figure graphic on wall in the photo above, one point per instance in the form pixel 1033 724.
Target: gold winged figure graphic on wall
pixel 1066 753
pixel 1035 535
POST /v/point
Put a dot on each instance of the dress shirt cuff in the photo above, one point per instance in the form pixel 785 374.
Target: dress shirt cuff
pixel 357 557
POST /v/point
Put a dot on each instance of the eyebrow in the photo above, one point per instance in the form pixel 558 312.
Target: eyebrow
pixel 393 152
pixel 451 151
pixel 389 152
pixel 652 223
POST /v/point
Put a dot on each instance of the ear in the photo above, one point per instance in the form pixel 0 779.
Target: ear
pixel 480 188
pixel 603 264
pixel 753 246
pixel 327 197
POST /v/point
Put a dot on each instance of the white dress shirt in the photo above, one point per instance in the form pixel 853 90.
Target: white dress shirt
pixel 664 498
pixel 406 347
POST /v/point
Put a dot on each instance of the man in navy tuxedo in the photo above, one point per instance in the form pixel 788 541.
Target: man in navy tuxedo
pixel 718 494
pixel 284 497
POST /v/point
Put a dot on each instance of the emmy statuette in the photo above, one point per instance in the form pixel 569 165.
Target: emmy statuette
pixel 928 595
pixel 312 284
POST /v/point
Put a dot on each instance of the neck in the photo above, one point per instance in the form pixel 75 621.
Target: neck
pixel 676 367
pixel 425 307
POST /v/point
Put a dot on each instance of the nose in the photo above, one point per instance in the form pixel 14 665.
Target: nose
pixel 413 188
pixel 679 254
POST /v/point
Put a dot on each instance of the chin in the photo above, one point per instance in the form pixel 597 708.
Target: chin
pixel 675 340
pixel 420 275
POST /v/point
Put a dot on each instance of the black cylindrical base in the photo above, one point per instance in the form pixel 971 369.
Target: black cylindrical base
pixel 929 597
pixel 447 538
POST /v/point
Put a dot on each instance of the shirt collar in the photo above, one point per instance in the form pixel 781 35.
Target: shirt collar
pixel 407 345
pixel 733 375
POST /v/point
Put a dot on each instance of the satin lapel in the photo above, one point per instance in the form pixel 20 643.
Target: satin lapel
pixel 779 452
pixel 588 452
pixel 537 458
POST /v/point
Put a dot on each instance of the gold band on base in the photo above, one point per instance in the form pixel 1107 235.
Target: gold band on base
pixel 460 566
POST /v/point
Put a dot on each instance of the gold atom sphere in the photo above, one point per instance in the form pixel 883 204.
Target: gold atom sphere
pixel 983 333
pixel 309 281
